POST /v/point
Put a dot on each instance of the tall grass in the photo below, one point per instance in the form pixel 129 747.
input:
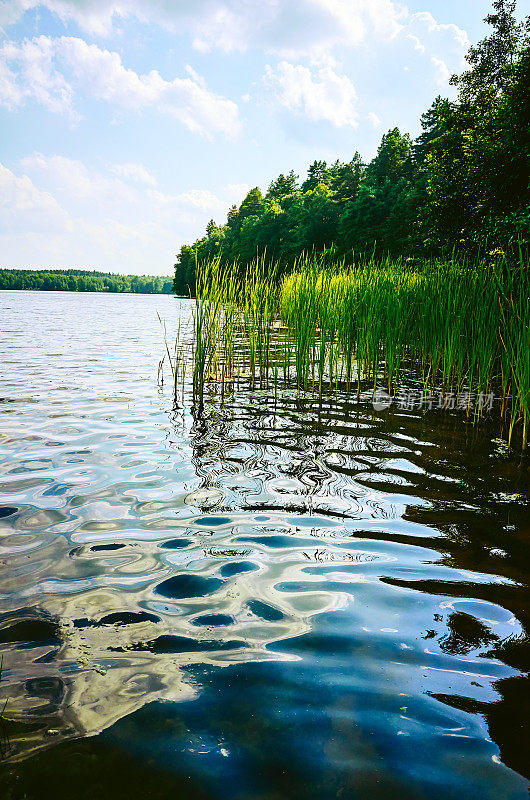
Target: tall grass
pixel 4 735
pixel 458 328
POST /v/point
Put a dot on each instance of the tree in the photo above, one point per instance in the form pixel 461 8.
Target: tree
pixel 475 144
pixel 345 179
pixel 316 173
pixel 493 57
pixel 283 186
pixel 463 183
pixel 393 160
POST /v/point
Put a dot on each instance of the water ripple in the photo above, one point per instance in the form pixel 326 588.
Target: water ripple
pixel 372 562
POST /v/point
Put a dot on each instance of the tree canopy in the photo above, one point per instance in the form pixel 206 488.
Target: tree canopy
pixel 464 183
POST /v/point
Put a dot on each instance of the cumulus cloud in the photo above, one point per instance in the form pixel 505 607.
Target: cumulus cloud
pixel 315 31
pixel 287 27
pixel 296 28
pixel 442 71
pixel 321 96
pixel 426 19
pixel 47 71
pixel 73 180
pixel 80 186
pixel 445 42
pixel 24 206
pixel 27 71
pixel 58 211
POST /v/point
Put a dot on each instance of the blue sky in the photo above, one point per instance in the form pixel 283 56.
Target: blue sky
pixel 128 124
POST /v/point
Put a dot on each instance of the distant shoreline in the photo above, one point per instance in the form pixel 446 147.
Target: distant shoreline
pixel 72 280
pixel 91 291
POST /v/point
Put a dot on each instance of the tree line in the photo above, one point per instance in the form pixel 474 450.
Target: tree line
pixel 463 184
pixel 71 280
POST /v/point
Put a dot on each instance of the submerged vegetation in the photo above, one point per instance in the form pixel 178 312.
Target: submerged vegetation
pixel 72 280
pixel 457 331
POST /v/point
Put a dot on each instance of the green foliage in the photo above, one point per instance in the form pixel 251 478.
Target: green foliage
pixel 464 184
pixel 71 280
pixel 478 157
pixel 460 329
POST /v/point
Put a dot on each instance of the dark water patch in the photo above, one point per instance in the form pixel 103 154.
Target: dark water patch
pixel 128 618
pixel 465 633
pixel 182 586
pixel 7 511
pixel 507 719
pixel 175 544
pixel 118 618
pixel 30 632
pixel 213 620
pixel 213 521
pixel 182 644
pixel 57 490
pixel 237 568
pixel 332 644
pixel 265 611
pixel 46 658
pixel 49 689
pixel 96 548
pixel 277 541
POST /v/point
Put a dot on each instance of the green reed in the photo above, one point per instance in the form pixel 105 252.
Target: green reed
pixel 457 327
pixel 4 735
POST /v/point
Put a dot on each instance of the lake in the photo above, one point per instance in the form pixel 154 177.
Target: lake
pixel 270 597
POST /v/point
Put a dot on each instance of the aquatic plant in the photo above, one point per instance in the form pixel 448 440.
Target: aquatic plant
pixel 459 328
pixel 4 735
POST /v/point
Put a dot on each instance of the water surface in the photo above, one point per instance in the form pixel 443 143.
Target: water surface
pixel 266 598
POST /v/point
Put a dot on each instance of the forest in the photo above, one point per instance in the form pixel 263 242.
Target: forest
pixel 462 185
pixel 72 280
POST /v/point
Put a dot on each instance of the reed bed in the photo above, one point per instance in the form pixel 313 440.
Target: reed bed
pixel 459 329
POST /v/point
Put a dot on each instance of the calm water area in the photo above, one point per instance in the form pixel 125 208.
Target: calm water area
pixel 270 598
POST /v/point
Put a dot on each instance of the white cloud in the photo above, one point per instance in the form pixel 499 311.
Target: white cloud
pixel 427 20
pixel 444 42
pixel 47 70
pixel 134 172
pixel 56 211
pixel 23 206
pixel 27 71
pixel 73 180
pixel 296 28
pixel 442 71
pixel 286 27
pixel 374 119
pixel 326 96
pixel 415 42
pixel 200 199
pixel 444 45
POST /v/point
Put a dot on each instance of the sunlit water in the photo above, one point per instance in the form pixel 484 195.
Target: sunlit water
pixel 268 599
